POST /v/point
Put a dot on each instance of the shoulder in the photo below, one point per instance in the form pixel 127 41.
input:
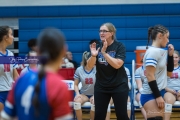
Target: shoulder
pixel 23 71
pixel 54 81
pixel 80 68
pixel 9 53
pixel 27 77
pixel 119 44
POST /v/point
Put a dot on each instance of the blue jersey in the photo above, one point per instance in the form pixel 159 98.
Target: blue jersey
pixel 53 98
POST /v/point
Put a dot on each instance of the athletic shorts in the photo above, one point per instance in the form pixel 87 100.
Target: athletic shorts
pixel 3 96
pixel 147 97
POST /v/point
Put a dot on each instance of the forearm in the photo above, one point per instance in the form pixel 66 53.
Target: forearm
pixel 91 61
pixel 76 89
pixel 115 63
pixel 150 78
pixel 15 74
pixel 139 84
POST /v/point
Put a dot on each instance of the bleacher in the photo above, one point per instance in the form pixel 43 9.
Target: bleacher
pixel 80 24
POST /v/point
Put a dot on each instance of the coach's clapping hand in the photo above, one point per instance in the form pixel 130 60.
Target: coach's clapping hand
pixel 93 49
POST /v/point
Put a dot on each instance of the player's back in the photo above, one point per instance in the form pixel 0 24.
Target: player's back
pixel 53 97
pixel 24 92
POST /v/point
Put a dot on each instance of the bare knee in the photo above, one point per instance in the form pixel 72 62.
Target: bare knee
pixel 78 100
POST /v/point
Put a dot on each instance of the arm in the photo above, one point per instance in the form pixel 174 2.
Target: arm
pixel 170 62
pixel 118 61
pixel 15 74
pixel 150 71
pixel 76 89
pixel 139 84
pixel 114 62
pixel 92 60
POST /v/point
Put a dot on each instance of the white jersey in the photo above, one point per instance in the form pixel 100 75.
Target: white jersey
pixel 25 70
pixel 129 77
pixel 6 73
pixel 156 57
pixel 139 75
pixel 87 79
pixel 174 80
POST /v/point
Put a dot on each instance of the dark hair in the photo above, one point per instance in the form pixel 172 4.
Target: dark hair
pixel 153 31
pixel 32 42
pixel 51 43
pixel 4 30
pixel 94 40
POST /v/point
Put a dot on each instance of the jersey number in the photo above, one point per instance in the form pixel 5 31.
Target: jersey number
pixel 174 75
pixel 89 81
pixel 26 99
pixel 6 67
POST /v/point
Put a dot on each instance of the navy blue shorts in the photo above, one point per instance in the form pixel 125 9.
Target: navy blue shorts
pixel 147 97
pixel 89 96
pixel 3 96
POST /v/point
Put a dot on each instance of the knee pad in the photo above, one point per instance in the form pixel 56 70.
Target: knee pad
pixel 168 108
pixel 77 106
pixel 128 105
pixel 140 105
pixel 155 118
pixel 92 107
pixel 109 108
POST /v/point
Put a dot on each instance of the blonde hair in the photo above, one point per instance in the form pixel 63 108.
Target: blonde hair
pixel 85 58
pixel 176 52
pixel 111 28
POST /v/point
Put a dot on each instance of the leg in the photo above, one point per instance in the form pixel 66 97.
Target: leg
pixel 120 104
pixel 108 115
pixel 169 99
pixel 1 106
pixel 152 109
pixel 92 108
pixel 101 104
pixel 142 109
pixel 129 107
pixel 77 105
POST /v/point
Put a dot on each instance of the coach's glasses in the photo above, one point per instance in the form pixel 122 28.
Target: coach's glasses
pixel 103 31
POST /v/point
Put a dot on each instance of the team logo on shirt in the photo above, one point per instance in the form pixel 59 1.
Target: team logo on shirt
pixel 101 58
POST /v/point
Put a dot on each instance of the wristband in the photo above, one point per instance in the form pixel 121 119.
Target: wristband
pixel 170 63
pixel 154 88
pixel 140 90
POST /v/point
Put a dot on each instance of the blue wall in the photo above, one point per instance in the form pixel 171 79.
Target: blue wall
pixel 80 24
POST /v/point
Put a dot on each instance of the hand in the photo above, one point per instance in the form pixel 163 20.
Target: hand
pixel 92 100
pixel 94 52
pixel 141 90
pixel 160 102
pixel 178 93
pixel 170 49
pixel 77 97
pixel 104 46
pixel 172 91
